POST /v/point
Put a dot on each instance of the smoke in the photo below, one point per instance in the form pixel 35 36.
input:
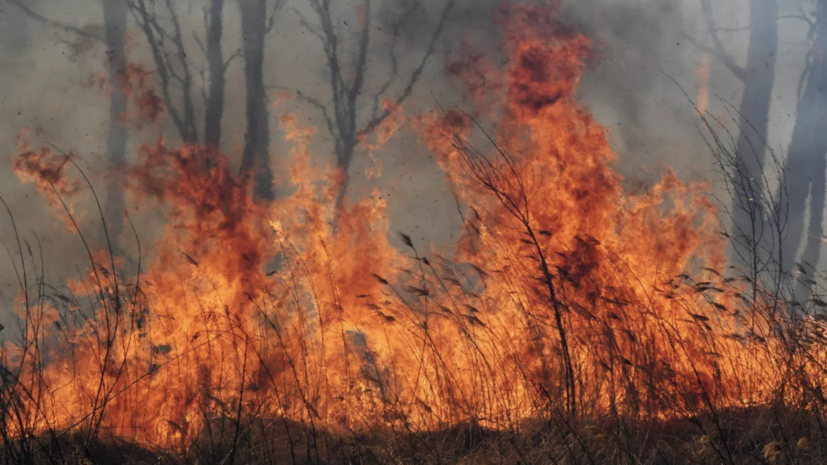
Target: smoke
pixel 641 48
pixel 641 45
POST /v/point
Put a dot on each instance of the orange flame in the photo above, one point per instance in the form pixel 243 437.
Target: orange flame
pixel 47 170
pixel 566 292
pixel 703 84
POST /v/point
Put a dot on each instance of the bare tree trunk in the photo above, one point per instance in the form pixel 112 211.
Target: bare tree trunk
pixel 344 154
pixel 758 77
pixel 812 251
pixel 167 47
pixel 115 21
pixel 215 60
pixel 806 159
pixel 348 76
pixel 255 161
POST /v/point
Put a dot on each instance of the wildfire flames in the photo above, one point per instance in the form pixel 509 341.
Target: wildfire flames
pixel 566 294
pixel 703 87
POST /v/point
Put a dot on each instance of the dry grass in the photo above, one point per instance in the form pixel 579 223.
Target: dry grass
pixel 649 421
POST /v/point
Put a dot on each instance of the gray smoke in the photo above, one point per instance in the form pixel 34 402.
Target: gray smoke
pixel 48 52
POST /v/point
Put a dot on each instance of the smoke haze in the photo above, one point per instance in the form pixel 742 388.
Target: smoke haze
pixel 50 50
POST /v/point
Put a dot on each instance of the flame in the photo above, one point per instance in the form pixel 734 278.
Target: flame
pixel 383 133
pixel 47 171
pixel 566 293
pixel 703 84
pixel 360 15
pixel 134 82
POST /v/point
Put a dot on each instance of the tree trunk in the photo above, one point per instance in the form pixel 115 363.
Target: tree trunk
pixel 255 163
pixel 344 155
pixel 758 77
pixel 115 21
pixel 806 159
pixel 215 60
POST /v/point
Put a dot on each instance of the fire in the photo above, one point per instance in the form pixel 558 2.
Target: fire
pixel 134 82
pixel 548 208
pixel 566 295
pixel 48 172
pixel 703 86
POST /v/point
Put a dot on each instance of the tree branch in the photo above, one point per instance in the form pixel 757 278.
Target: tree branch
pixel 718 50
pixel 271 17
pixel 727 60
pixel 415 75
pixel 55 24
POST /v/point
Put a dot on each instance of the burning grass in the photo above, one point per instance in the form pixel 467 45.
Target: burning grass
pixel 576 323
